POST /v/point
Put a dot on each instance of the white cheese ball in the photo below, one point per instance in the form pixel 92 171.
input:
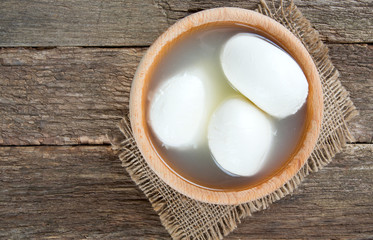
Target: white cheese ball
pixel 265 74
pixel 239 137
pixel 177 110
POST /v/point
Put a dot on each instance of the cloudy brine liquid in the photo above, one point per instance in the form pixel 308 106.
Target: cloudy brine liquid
pixel 197 165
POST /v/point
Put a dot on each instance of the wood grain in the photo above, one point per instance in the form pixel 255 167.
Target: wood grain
pixel 139 23
pixel 62 96
pixel 355 64
pixel 83 192
pixel 335 203
pixel 80 23
pixel 71 192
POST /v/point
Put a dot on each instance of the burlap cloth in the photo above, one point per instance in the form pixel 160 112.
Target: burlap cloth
pixel 185 218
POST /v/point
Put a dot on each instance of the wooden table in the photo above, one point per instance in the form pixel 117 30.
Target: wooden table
pixel 65 74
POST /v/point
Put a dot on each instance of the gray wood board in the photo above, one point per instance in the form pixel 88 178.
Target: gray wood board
pixel 68 96
pixel 83 192
pixel 139 23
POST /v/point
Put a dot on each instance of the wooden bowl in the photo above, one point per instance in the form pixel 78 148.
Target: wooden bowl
pixel 285 39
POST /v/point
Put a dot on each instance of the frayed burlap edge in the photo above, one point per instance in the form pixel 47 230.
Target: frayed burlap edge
pixel 185 218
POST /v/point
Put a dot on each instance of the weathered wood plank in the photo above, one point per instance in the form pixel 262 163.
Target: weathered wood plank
pixel 138 23
pixel 335 203
pixel 337 21
pixel 83 192
pixel 355 63
pixel 80 23
pixel 76 95
pixel 63 96
pixel 71 192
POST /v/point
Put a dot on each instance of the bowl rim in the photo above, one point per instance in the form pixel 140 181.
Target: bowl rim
pixel 313 116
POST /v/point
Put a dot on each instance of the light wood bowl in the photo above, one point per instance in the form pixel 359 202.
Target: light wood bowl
pixel 144 75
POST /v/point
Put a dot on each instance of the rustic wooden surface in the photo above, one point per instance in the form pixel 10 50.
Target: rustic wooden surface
pixel 82 191
pixel 138 23
pixel 65 72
